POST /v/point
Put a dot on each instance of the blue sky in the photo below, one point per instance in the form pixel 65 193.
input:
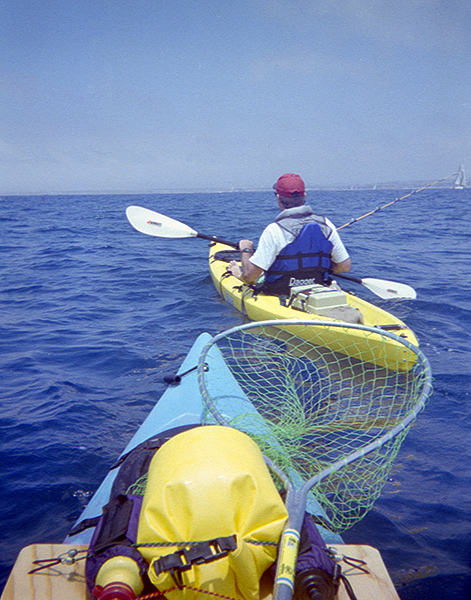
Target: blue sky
pixel 152 95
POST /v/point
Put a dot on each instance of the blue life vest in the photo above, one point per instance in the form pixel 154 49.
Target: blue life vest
pixel 305 261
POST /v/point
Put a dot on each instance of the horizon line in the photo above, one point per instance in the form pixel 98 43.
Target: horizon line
pixel 219 190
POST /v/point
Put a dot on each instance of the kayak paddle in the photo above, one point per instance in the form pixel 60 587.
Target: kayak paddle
pixel 153 223
pixel 381 287
pixel 158 225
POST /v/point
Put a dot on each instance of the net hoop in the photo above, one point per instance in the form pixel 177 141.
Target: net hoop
pixel 422 368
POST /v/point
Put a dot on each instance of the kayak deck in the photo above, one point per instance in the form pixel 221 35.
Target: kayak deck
pixel 262 307
pixel 180 404
pixel 68 581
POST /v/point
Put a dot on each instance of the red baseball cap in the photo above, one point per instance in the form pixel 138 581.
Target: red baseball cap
pixel 289 185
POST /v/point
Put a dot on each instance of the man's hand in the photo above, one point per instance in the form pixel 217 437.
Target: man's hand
pixel 235 269
pixel 246 244
pixel 247 272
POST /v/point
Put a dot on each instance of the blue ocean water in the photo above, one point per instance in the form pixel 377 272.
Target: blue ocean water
pixel 93 314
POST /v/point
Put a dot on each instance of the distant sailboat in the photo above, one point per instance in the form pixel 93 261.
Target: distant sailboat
pixel 460 181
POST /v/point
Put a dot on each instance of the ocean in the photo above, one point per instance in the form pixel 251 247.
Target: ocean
pixel 93 314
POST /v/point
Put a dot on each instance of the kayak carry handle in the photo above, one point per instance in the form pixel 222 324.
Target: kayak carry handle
pixel 175 379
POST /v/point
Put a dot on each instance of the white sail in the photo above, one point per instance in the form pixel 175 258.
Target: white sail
pixel 460 181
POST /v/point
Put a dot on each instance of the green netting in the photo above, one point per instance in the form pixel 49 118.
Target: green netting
pixel 320 394
pixel 138 488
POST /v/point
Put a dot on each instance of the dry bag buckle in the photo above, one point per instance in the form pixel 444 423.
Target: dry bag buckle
pixel 196 554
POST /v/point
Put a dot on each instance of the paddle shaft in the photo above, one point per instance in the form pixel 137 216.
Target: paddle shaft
pixel 211 238
pixel 349 277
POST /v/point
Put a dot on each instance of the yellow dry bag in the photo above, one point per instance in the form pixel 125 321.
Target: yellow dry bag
pixel 207 483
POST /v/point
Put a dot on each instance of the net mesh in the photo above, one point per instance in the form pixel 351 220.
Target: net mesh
pixel 138 488
pixel 310 406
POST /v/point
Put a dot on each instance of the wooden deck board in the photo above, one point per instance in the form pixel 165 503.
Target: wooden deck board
pixel 67 582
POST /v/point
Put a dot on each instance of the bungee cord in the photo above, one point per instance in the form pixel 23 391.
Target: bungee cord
pixel 372 212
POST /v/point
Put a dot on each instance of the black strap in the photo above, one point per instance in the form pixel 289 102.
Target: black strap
pixel 197 554
pixel 348 587
pixel 153 443
pixel 300 256
pixel 227 255
pixel 83 525
pixel 116 516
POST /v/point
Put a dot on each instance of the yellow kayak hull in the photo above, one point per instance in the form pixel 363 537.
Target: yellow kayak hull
pixel 380 350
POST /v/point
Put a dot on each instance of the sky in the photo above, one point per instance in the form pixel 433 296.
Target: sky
pixel 167 95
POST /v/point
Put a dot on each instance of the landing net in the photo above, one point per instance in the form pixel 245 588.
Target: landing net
pixel 314 411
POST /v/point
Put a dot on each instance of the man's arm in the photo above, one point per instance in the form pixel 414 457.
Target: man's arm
pixel 342 267
pixel 248 272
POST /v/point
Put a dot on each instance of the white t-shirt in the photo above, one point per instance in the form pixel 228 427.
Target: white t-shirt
pixel 274 238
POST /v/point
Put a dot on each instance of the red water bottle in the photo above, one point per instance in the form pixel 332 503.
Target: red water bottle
pixel 118 579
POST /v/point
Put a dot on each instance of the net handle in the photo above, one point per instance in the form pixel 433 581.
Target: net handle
pixel 296 499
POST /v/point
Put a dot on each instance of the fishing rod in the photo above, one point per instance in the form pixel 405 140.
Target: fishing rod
pixel 372 212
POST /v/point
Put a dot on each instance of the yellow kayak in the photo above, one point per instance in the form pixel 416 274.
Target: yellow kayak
pixel 324 305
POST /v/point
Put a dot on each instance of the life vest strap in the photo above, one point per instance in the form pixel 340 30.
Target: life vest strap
pixel 300 257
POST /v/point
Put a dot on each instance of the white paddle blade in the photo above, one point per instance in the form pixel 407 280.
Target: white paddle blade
pixel 389 289
pixel 153 223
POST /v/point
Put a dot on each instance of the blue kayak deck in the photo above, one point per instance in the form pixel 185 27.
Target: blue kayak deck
pixel 182 404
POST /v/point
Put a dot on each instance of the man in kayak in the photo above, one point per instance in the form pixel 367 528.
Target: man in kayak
pixel 299 248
